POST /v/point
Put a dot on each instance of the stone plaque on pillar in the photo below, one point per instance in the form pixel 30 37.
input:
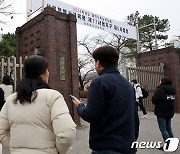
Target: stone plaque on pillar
pixel 62 68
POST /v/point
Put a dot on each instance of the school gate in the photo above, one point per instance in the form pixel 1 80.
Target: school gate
pixel 53 35
pixel 149 78
pixel 167 58
pixel 9 66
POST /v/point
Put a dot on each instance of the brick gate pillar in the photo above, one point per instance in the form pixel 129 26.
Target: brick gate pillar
pixel 53 35
pixel 169 58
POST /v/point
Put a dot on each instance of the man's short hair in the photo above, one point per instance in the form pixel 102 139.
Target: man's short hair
pixel 106 55
pixel 134 81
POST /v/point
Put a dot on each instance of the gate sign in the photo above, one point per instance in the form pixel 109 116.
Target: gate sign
pixel 88 18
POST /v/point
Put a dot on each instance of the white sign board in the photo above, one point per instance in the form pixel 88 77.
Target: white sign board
pixel 88 18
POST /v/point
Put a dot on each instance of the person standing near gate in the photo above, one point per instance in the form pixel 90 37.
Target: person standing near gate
pixel 2 101
pixel 111 108
pixel 7 86
pixel 139 97
pixel 36 119
pixel 8 90
pixel 163 99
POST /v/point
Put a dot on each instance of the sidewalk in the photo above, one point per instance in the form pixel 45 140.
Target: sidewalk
pixel 149 131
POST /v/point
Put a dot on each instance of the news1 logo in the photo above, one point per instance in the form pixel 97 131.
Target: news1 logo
pixel 171 144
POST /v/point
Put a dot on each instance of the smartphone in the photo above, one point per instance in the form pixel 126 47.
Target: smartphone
pixel 73 97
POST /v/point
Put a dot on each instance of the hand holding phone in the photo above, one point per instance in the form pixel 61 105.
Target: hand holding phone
pixel 73 97
pixel 75 100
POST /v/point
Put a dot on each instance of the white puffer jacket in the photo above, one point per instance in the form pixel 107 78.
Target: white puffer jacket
pixel 8 90
pixel 41 127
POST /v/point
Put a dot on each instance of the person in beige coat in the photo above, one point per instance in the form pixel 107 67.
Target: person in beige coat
pixel 8 90
pixel 6 86
pixel 36 119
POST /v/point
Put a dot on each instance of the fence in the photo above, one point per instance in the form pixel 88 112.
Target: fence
pixel 9 66
pixel 148 77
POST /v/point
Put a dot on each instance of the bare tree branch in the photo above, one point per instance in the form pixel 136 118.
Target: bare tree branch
pixel 88 73
pixel 91 43
pixel 5 9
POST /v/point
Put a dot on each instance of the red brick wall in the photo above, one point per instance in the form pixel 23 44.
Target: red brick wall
pixel 171 58
pixel 55 34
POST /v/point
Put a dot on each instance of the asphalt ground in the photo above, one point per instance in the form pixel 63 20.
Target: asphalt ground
pixel 149 131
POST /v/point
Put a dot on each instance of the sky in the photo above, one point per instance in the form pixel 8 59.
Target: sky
pixel 114 9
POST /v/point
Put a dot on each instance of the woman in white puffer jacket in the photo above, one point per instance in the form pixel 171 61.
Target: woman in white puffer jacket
pixel 36 119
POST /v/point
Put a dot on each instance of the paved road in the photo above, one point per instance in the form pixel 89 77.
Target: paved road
pixel 148 132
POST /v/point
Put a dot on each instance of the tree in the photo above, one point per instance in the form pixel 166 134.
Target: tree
pixel 126 47
pixel 85 60
pixel 120 43
pixel 90 43
pixel 84 68
pixel 147 34
pixel 5 9
pixel 123 46
pixel 8 45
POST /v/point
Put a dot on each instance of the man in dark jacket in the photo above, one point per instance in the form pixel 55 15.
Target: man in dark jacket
pixel 163 99
pixel 111 109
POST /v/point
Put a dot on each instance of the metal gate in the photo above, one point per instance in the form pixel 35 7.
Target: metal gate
pixel 10 67
pixel 149 78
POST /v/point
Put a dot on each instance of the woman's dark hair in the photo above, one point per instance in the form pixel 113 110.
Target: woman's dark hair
pixel 34 66
pixel 134 81
pixel 166 81
pixel 6 80
pixel 107 56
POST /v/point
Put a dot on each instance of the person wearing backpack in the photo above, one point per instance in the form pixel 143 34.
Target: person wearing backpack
pixel 163 99
pixel 139 97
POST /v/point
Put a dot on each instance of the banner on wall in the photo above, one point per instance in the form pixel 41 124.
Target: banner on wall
pixel 88 18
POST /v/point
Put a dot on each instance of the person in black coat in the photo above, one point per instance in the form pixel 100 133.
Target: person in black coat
pixel 163 99
pixel 2 101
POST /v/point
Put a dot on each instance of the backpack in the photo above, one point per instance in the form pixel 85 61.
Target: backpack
pixel 144 92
